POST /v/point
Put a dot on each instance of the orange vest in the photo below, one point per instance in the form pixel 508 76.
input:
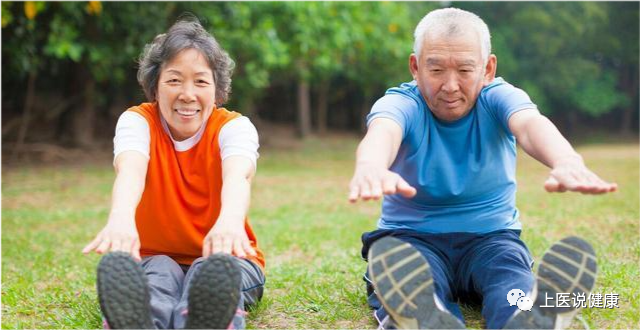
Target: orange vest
pixel 181 198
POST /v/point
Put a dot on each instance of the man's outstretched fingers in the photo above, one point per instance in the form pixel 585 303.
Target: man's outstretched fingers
pixel 406 189
pixel 354 193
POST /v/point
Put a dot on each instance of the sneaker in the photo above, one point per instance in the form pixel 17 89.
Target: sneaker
pixel 214 293
pixel 569 266
pixel 123 292
pixel 403 282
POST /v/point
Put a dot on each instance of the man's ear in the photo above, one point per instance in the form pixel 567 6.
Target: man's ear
pixel 490 69
pixel 413 66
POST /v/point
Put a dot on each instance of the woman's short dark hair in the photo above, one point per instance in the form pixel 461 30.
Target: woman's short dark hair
pixel 186 33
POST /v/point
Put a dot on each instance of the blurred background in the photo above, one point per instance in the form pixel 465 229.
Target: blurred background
pixel 302 68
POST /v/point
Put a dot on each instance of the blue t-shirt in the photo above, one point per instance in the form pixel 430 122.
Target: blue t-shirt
pixel 464 171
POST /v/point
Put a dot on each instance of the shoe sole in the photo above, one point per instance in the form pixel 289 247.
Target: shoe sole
pixel 403 282
pixel 214 293
pixel 568 267
pixel 123 292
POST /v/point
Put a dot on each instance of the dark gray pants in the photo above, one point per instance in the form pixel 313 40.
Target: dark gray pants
pixel 169 286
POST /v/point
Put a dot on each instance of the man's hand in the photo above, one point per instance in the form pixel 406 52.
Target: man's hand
pixel 227 237
pixel 120 234
pixel 371 182
pixel 573 175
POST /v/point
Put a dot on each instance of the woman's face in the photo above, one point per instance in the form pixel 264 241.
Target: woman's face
pixel 186 93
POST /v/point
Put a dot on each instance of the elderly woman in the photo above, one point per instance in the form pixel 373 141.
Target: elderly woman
pixel 181 251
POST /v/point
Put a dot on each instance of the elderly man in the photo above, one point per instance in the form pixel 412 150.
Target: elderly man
pixel 442 151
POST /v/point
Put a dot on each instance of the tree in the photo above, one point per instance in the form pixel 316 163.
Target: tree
pixel 562 63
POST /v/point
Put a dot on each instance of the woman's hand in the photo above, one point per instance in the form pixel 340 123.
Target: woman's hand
pixel 228 236
pixel 120 234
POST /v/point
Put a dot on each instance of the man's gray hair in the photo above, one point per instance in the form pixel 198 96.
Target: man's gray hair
pixel 186 33
pixel 449 22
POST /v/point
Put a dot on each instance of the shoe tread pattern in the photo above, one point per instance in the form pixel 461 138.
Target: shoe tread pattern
pixel 403 282
pixel 568 267
pixel 123 292
pixel 214 293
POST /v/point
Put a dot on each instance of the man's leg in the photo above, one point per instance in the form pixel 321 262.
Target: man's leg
pixel 416 293
pixel 228 308
pixel 165 286
pixel 568 267
pixel 495 264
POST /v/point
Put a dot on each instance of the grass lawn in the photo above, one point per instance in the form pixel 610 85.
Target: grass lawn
pixel 308 230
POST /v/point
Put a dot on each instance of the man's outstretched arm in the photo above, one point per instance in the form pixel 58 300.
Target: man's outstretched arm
pixel 375 154
pixel 540 138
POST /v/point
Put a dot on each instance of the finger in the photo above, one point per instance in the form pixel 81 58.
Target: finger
pixel 238 250
pixel 216 246
pixel 135 250
pixel 389 184
pixel 227 244
pixel 376 188
pixel 591 183
pixel 93 245
pixel 405 189
pixel 571 182
pixel 248 248
pixel 207 247
pixel 365 190
pixel 607 186
pixel 116 245
pixel 551 185
pixel 354 192
pixel 104 246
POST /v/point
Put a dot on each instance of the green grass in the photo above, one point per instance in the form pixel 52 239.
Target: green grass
pixel 308 230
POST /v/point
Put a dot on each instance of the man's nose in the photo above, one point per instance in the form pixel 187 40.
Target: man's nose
pixel 451 83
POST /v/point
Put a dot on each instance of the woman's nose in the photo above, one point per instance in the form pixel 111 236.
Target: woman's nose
pixel 187 94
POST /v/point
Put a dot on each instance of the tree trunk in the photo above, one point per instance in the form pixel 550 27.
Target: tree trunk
pixel 364 111
pixel 630 86
pixel 26 113
pixel 572 123
pixel 84 119
pixel 248 108
pixel 304 109
pixel 323 105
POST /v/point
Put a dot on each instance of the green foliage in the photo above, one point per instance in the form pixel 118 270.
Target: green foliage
pixel 562 62
pixel 598 95
pixel 572 57
pixel 7 17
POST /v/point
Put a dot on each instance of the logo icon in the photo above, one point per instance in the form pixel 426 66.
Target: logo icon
pixel 525 303
pixel 518 298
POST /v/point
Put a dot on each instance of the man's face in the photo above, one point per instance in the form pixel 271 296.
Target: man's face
pixel 450 73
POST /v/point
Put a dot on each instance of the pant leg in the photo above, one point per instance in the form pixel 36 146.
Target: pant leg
pixel 494 265
pixel 165 288
pixel 441 270
pixel 252 290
